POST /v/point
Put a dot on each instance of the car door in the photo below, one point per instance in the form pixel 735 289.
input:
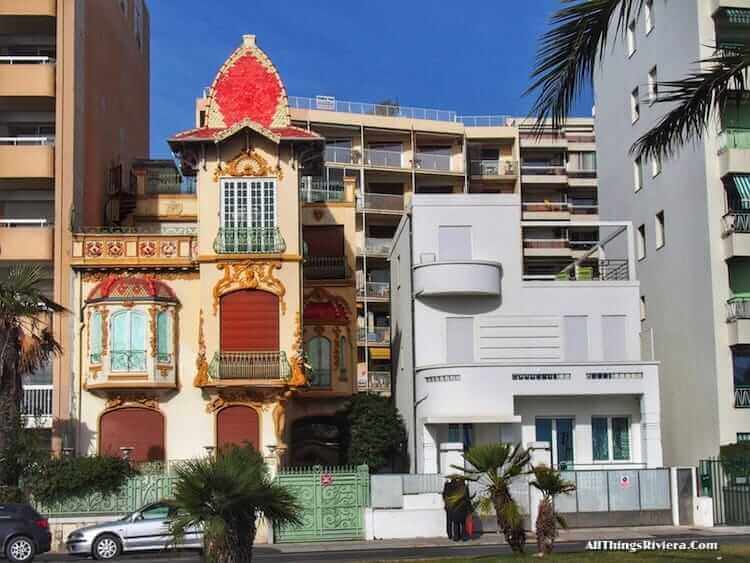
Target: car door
pixel 149 528
pixel 193 538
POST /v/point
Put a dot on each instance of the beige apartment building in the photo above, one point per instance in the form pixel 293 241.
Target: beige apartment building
pixel 74 113
pixel 384 153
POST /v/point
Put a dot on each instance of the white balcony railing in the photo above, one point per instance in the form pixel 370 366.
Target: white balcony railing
pixel 341 155
pixel 314 189
pixel 485 120
pixel 493 168
pixel 383 158
pixel 37 405
pixel 329 103
pixel 738 308
pixel 23 141
pixel 11 223
pixel 377 290
pixel 377 246
pixel 22 60
pixel 379 382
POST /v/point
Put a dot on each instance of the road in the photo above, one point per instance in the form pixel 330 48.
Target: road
pixel 269 554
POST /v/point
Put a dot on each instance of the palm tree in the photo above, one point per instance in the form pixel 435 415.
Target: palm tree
pixel 551 484
pixel 569 52
pixel 225 495
pixel 493 467
pixel 26 343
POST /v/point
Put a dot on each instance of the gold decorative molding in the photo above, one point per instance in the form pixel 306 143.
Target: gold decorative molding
pixel 279 422
pixel 247 163
pixel 105 329
pixel 201 363
pixel 149 402
pixel 336 347
pixel 249 274
pixel 256 398
pixel 298 379
pixel 153 312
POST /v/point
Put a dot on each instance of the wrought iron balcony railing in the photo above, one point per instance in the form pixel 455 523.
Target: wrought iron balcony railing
pixel 734 139
pixel 315 189
pixel 736 222
pixel 742 397
pixel 325 268
pixel 128 360
pixel 255 240
pixel 379 382
pixel 255 366
pixel 738 308
pixel 378 290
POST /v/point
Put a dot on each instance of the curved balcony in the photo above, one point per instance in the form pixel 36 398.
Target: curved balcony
pixel 457 278
pixel 250 367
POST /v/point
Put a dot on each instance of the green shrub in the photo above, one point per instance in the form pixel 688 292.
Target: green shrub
pixel 375 434
pixel 11 494
pixel 60 479
pixel 735 459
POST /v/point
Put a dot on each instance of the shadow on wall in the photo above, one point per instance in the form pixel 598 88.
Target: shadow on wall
pixel 466 304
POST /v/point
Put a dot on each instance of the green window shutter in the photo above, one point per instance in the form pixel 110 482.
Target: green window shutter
pixel 163 337
pixel 620 438
pixel 599 437
pixel 95 338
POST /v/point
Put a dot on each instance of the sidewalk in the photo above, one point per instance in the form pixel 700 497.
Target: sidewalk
pixel 576 535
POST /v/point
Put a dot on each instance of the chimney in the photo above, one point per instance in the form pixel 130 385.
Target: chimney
pixel 248 40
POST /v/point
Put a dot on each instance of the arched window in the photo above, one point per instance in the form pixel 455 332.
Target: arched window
pixel 343 366
pixel 95 338
pixel 319 356
pixel 128 336
pixel 163 338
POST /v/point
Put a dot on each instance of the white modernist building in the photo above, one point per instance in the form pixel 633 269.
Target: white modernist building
pixel 691 215
pixel 483 355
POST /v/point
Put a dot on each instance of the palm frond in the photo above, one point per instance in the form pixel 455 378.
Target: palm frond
pixel 700 96
pixel 550 482
pixel 561 520
pixel 568 53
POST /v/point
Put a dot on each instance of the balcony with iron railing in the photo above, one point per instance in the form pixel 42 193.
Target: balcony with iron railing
pixel 249 240
pixel 339 154
pixel 551 169
pixel 165 181
pixel 325 268
pixel 488 169
pixel 378 382
pixel 374 290
pixel 314 189
pixel 734 139
pixel 378 336
pixel 27 77
pixel 375 247
pixel 742 396
pixel 250 367
pixel 384 158
pixel 734 152
pixel 37 405
pixel 434 162
pixel 329 103
pixel 736 232
pixel 601 270
pixel 380 203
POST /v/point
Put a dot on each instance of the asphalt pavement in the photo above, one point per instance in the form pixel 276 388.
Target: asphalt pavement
pixel 382 551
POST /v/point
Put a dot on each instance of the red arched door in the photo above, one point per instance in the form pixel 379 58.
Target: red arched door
pixel 249 321
pixel 237 424
pixel 132 427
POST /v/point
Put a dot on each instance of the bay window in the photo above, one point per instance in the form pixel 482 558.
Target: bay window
pixel 248 216
pixel 128 334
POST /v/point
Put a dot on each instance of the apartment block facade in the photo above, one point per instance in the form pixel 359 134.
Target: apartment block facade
pixel 486 355
pixel 690 213
pixel 67 138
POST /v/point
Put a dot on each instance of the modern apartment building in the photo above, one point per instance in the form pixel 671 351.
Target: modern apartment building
pixel 486 355
pixel 386 153
pixel 74 112
pixel 691 218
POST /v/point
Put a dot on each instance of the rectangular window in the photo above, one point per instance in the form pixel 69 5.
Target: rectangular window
pixel 164 338
pixel 643 307
pixel 558 432
pixel 614 338
pixel 454 243
pixel 655 166
pixel 248 216
pixel 638 174
pixel 575 339
pixel 128 341
pixel 610 438
pixel 650 17
pixel 631 38
pixel 641 242
pixel 653 85
pixel 459 339
pixel 743 437
pixel 95 338
pixel 635 105
pixel 659 231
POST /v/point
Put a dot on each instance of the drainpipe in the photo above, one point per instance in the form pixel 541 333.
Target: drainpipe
pixel 79 399
pixel 364 250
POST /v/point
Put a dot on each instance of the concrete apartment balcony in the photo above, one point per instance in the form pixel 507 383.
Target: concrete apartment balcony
pixel 27 157
pixel 378 247
pixel 440 164
pixel 544 174
pixel 734 151
pixel 46 8
pixel 26 239
pixel 454 278
pixel 581 177
pixel 379 292
pixel 546 247
pixel 548 139
pixel 27 77
pixel 378 382
pixel 376 336
pixel 386 204
pixel 736 234
pixel 545 210
pixel 738 319
pixel 494 170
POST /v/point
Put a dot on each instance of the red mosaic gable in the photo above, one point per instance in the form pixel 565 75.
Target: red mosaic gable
pixel 332 312
pixel 131 287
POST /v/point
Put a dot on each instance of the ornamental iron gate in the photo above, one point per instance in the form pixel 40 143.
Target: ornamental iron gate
pixel 728 484
pixel 333 500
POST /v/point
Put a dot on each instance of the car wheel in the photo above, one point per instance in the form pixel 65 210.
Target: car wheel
pixel 20 550
pixel 106 547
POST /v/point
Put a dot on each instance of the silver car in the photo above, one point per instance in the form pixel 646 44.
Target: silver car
pixel 144 529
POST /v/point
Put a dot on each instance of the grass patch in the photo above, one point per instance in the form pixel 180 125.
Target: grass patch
pixel 727 554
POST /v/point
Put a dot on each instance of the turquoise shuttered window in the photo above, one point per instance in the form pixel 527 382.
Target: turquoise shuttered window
pixel 95 338
pixel 600 438
pixel 620 438
pixel 128 337
pixel 163 338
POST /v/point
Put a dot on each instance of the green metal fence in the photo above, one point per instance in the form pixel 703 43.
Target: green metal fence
pixel 729 486
pixel 333 501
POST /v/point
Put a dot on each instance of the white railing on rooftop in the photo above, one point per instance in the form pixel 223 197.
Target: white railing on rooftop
pixel 11 223
pixel 328 103
pixel 15 141
pixel 485 120
pixel 22 60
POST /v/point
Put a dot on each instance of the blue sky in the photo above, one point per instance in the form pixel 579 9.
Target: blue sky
pixel 472 57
